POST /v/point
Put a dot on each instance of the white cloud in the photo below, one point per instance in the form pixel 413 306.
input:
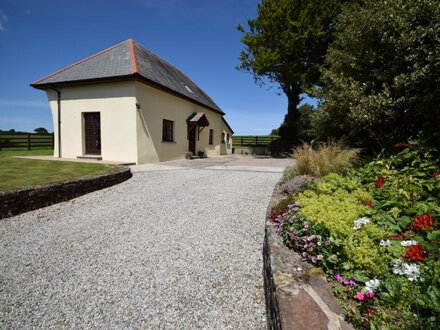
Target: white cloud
pixel 23 104
pixel 3 21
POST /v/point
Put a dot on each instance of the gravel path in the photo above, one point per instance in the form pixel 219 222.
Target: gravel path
pixel 164 250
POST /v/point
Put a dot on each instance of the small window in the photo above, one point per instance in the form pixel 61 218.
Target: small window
pixel 168 131
pixel 211 136
pixel 228 139
pixel 223 137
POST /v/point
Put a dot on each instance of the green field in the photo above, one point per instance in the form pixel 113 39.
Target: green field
pixel 253 140
pixel 18 173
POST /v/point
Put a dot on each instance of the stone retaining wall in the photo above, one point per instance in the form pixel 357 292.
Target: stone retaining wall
pixel 251 150
pixel 297 294
pixel 14 202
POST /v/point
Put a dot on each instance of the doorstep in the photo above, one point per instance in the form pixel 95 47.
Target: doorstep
pixel 94 157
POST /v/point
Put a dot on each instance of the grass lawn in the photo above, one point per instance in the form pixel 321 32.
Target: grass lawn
pixel 23 173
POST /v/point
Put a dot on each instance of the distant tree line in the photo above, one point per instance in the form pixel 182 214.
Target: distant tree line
pixel 39 130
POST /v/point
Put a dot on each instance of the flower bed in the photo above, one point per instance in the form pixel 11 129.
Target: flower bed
pixel 375 231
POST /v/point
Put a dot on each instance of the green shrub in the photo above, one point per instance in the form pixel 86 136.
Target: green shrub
pixel 331 157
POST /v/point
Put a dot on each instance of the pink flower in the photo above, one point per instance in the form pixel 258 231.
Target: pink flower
pixel 338 277
pixel 369 294
pixel 346 281
pixel 360 296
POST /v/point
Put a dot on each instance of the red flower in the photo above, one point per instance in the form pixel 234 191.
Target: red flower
pixel 435 174
pixel 424 221
pixel 367 203
pixel 415 253
pixel 380 181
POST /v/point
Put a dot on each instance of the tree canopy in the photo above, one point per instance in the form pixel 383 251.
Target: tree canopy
pixel 41 130
pixel 383 73
pixel 286 44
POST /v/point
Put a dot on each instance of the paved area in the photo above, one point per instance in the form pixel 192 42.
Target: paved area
pixel 230 162
pixel 167 249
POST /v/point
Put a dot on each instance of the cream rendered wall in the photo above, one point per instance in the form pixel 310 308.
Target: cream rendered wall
pixel 157 105
pixel 116 103
pixel 226 148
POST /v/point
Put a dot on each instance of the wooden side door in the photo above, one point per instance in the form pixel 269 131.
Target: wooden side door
pixel 192 139
pixel 92 125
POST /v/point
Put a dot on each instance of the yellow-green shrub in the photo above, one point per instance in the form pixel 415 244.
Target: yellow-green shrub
pixel 337 212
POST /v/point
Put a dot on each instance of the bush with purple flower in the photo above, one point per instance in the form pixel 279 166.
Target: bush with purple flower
pixel 306 238
pixel 298 184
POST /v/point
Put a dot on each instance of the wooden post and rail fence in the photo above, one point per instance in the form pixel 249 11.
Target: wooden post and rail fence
pixel 253 140
pixel 261 144
pixel 26 140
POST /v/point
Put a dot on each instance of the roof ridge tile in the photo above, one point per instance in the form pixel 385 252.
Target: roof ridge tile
pixel 133 57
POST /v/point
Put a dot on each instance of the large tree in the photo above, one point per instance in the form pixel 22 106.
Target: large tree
pixel 41 130
pixel 383 73
pixel 286 44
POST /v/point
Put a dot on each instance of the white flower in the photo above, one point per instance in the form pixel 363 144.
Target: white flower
pixel 360 222
pixel 385 242
pixel 372 285
pixel 411 271
pixel 408 243
pixel 397 268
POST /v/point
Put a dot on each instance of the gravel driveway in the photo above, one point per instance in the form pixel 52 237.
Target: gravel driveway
pixel 177 246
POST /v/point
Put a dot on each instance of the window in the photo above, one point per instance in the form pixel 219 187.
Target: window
pixel 211 136
pixel 168 131
pixel 223 137
pixel 227 139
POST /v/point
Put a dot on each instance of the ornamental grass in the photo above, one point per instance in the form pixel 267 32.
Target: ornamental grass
pixel 331 157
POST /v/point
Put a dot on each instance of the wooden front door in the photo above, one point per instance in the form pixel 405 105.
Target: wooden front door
pixel 192 139
pixel 92 125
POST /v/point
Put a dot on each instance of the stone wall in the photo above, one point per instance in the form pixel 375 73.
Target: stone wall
pixel 14 202
pixel 251 150
pixel 297 294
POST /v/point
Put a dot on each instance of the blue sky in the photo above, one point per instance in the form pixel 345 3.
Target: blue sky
pixel 197 36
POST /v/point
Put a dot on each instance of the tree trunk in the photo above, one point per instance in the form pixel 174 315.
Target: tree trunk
pixel 289 128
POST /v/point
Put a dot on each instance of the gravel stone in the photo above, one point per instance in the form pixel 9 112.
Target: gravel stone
pixel 178 249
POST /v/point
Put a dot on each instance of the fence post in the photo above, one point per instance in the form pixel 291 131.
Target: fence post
pixel 28 141
pixel 256 140
pixel 0 142
pixel 241 140
pixel 53 140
